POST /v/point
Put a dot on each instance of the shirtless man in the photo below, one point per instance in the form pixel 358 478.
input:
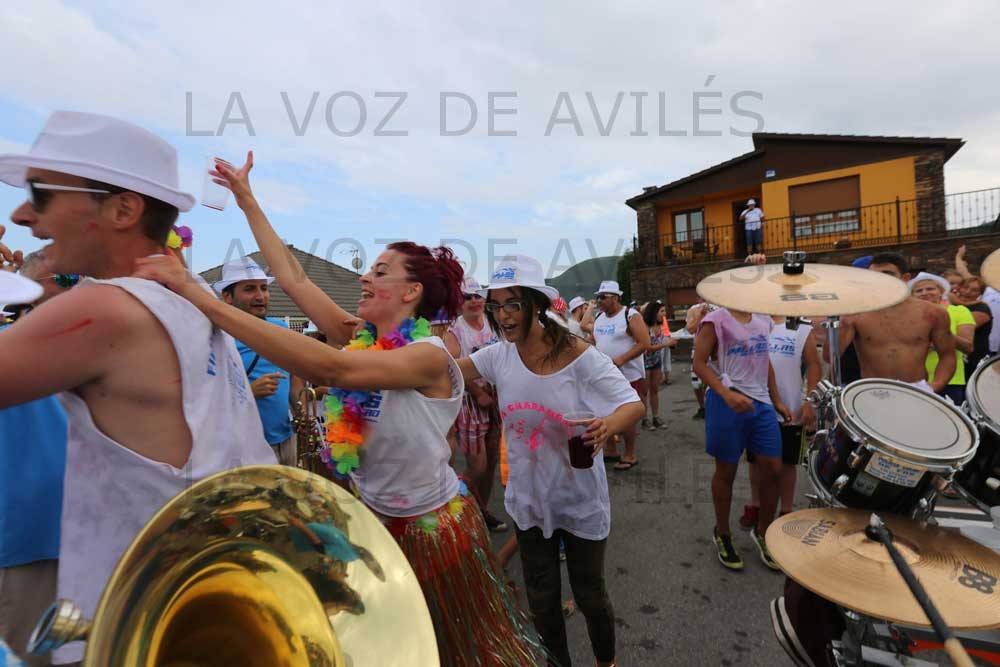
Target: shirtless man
pixel 118 349
pixel 892 343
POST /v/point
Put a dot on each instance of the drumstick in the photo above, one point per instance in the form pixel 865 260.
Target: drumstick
pixel 878 532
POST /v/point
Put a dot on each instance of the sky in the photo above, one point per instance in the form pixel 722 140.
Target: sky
pixel 391 149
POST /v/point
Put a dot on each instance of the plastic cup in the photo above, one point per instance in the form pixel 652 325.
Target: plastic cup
pixel 581 454
pixel 213 195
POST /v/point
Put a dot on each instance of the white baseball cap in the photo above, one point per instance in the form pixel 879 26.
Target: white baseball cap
pixel 105 149
pixel 15 289
pixel 520 271
pixel 609 287
pixel 751 202
pixel 576 302
pixel 923 275
pixel 239 270
pixel 471 286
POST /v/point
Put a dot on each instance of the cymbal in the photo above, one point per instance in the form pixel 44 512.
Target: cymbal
pixel 253 525
pixel 990 270
pixel 820 290
pixel 826 551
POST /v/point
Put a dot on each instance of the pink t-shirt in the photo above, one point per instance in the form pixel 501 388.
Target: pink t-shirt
pixel 741 354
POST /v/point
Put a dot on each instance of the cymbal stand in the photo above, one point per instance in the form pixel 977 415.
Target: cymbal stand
pixel 832 326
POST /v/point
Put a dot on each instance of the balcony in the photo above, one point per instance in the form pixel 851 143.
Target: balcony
pixel 890 223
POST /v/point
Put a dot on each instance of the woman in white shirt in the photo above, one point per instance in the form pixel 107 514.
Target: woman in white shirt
pixel 543 373
pixel 406 392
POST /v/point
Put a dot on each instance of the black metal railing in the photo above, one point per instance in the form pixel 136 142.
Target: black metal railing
pixel 899 221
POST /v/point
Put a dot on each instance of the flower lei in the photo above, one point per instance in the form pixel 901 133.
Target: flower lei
pixel 345 423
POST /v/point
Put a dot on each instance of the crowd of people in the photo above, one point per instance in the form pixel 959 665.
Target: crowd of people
pixel 130 378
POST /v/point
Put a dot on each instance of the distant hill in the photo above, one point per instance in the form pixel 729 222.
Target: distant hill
pixel 584 278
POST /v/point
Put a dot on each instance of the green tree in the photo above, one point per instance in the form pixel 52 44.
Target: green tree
pixel 625 265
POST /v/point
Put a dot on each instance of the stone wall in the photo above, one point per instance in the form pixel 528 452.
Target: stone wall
pixel 929 180
pixel 932 255
pixel 648 235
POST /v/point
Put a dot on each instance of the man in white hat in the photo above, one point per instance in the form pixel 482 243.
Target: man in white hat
pixel 578 309
pixel 245 285
pixel 621 334
pixel 155 396
pixel 753 224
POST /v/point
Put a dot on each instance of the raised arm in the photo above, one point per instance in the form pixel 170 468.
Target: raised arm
pixel 328 317
pixel 961 265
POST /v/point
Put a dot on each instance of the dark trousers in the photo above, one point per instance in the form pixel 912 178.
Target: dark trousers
pixel 543 581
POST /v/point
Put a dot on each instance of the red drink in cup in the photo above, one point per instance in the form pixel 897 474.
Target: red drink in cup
pixel 581 454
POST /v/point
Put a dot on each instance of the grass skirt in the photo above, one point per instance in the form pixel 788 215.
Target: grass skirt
pixel 476 618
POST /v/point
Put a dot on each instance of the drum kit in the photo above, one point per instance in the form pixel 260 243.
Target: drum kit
pixel 884 451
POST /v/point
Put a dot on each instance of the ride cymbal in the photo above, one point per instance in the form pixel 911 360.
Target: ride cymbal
pixel 826 551
pixel 990 270
pixel 819 290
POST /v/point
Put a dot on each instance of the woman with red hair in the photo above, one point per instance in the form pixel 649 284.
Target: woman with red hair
pixel 389 409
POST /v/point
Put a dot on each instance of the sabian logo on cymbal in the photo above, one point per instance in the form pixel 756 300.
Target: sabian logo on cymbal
pixel 818 531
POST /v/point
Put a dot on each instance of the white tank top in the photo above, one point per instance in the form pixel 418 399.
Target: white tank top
pixel 404 467
pixel 612 338
pixel 111 491
pixel 786 347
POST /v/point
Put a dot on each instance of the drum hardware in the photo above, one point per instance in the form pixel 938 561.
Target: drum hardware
pixel 979 481
pixel 839 484
pixel 854 460
pixel 233 571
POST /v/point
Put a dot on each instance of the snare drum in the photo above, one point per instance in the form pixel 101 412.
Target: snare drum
pixel 886 443
pixel 979 480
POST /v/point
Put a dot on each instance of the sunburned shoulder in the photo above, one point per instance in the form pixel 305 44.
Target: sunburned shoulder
pixel 106 309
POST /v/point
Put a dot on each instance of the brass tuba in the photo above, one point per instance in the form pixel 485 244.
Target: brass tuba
pixel 257 566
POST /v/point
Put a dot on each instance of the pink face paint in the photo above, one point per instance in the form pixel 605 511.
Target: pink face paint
pixel 76 327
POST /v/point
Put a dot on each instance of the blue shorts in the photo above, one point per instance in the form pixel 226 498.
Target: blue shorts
pixel 729 433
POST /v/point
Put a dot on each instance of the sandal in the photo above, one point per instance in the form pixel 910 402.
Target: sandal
pixel 615 458
pixel 626 465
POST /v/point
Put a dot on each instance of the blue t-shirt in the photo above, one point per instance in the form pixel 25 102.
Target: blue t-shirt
pixel 32 465
pixel 274 408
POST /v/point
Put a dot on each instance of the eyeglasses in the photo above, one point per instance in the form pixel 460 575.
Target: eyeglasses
pixel 40 194
pixel 510 307
pixel 471 297
pixel 602 297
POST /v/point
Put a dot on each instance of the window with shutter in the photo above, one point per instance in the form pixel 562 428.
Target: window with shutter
pixel 826 207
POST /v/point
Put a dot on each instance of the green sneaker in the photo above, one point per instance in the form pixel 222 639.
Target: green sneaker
pixel 765 555
pixel 727 553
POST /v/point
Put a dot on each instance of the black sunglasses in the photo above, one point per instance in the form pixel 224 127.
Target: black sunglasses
pixel 470 297
pixel 511 307
pixel 40 194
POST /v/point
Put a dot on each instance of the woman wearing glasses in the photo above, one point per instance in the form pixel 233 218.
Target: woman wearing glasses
pixel 543 375
pixel 394 395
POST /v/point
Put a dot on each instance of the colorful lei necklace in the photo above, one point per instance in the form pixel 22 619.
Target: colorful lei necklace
pixel 345 420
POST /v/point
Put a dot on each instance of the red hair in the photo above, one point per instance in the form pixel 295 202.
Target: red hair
pixel 439 273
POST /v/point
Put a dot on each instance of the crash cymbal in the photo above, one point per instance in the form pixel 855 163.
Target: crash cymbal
pixel 819 290
pixel 990 270
pixel 826 551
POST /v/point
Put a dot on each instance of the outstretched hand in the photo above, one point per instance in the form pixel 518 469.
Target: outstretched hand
pixel 235 180
pixel 167 270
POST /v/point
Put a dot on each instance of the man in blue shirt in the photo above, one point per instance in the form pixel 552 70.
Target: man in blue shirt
pixel 31 484
pixel 245 285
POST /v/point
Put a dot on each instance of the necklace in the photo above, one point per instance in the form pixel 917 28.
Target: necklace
pixel 345 413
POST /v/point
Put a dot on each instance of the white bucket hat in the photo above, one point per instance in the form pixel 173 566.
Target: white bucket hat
pixel 239 270
pixel 609 287
pixel 751 202
pixel 105 149
pixel 576 302
pixel 923 275
pixel 15 289
pixel 471 286
pixel 520 271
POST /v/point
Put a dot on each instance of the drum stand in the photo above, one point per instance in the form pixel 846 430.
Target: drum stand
pixel 832 326
pixel 870 641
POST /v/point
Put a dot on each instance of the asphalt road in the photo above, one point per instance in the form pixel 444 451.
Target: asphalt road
pixel 674 603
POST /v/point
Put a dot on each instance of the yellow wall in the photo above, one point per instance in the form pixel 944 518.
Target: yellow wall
pixel 879 183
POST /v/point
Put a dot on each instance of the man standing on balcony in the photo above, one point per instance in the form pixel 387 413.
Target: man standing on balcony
pixel 753 223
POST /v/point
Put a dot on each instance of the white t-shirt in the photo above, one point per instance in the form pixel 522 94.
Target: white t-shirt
pixel 785 352
pixel 404 467
pixel 471 339
pixel 612 338
pixel 543 490
pixel 752 218
pixel 991 297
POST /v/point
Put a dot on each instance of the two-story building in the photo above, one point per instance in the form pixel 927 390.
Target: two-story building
pixel 836 197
